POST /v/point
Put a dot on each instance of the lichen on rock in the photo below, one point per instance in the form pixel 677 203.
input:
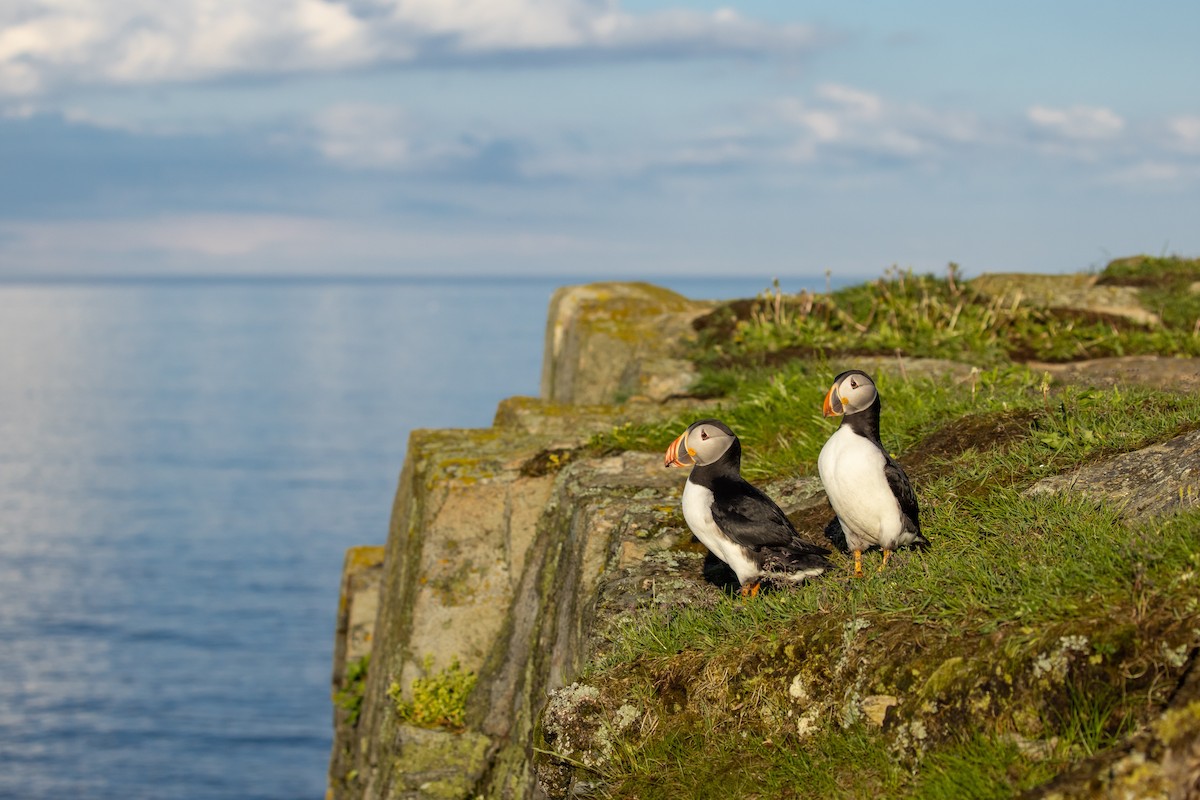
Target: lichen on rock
pixel 578 732
pixel 1153 481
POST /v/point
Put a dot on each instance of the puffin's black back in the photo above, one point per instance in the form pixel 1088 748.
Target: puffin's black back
pixel 744 512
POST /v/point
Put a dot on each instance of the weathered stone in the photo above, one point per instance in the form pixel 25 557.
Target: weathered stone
pixel 1076 292
pixel 358 605
pixel 657 379
pixel 1153 481
pixel 511 569
pixel 567 425
pixel 475 523
pixel 435 765
pixel 1180 374
pixel 578 729
pixel 572 590
pixel 463 524
pixel 796 494
pixel 1161 761
pixel 605 343
pixel 875 707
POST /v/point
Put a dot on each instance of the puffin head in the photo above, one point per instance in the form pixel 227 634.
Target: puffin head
pixel 703 443
pixel 852 391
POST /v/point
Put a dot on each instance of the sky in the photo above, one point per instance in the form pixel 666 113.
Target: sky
pixel 593 138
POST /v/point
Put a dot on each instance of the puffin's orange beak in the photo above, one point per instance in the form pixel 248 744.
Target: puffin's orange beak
pixel 833 404
pixel 678 451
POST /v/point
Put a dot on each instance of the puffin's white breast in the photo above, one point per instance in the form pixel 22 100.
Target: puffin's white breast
pixel 851 468
pixel 697 512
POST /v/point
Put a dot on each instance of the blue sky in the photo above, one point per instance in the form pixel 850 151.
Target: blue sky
pixel 593 139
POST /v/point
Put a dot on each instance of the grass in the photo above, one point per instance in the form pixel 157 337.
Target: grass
pixel 926 316
pixel 982 767
pixel 1034 632
pixel 718 680
pixel 1166 286
pixel 1032 560
pixel 778 417
pixel 757 767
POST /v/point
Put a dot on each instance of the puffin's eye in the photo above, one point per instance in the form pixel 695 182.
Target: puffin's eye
pixel 703 434
pixel 853 383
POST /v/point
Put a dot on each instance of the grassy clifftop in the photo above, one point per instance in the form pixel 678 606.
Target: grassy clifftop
pixel 1037 638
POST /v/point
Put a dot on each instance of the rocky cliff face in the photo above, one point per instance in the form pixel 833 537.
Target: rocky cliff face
pixel 515 553
pixel 500 541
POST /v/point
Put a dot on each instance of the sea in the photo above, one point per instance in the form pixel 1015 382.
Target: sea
pixel 183 463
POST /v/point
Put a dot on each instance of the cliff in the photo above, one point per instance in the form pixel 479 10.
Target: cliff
pixel 536 622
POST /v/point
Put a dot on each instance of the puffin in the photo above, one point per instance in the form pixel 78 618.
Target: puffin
pixel 870 493
pixel 736 521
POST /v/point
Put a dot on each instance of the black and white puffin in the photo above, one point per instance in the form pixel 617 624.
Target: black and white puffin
pixel 737 522
pixel 870 493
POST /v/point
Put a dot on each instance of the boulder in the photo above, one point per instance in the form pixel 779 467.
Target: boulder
pixel 1179 373
pixel 1153 481
pixel 610 342
pixel 1077 293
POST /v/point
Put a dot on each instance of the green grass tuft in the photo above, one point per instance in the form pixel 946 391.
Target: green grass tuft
pixel 1168 286
pixel 926 316
pixel 983 767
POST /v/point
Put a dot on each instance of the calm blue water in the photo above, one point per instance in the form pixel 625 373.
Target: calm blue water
pixel 182 466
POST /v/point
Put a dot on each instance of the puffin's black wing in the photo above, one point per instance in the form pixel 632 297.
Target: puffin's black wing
pixel 746 515
pixel 905 496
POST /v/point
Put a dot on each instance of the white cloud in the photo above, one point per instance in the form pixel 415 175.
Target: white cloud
pixel 855 102
pixel 48 44
pixel 261 243
pixel 836 114
pixel 1155 172
pixel 834 128
pixel 1077 122
pixel 1147 172
pixel 363 136
pixel 382 137
pixel 856 123
pixel 1185 133
pixel 19 111
pixel 208 235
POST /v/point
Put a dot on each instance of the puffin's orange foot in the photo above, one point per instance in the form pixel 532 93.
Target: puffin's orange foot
pixel 751 591
pixel 886 555
pixel 858 573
